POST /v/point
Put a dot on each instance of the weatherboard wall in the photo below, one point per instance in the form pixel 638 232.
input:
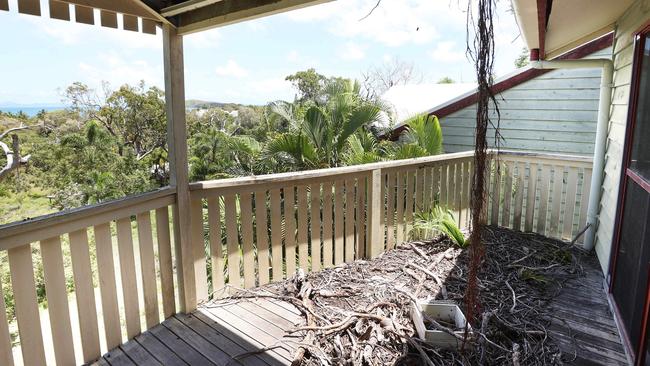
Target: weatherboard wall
pixel 637 15
pixel 554 112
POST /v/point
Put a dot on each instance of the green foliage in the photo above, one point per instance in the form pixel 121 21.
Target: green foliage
pixel 523 59
pixel 423 137
pixel 446 80
pixel 362 148
pixel 309 83
pixel 327 128
pixel 437 220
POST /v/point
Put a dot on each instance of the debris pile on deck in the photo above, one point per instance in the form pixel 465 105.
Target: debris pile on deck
pixel 358 313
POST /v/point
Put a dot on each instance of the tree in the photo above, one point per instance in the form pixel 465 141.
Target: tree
pixel 133 115
pixel 13 158
pixel 309 83
pixel 446 80
pixel 423 137
pixel 216 154
pixel 85 167
pixel 378 79
pixel 321 133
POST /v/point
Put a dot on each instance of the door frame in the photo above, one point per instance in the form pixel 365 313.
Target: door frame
pixel 636 352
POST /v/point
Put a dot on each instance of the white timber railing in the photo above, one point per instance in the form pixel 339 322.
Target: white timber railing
pixel 543 193
pixel 90 232
pixel 247 232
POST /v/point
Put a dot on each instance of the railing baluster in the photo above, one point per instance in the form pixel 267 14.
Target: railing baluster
pixel 165 261
pixel 507 193
pixel 262 235
pixel 290 230
pixel 543 199
pixel 303 221
pixel 464 214
pixel 530 197
pixel 558 183
pixel 444 168
pixel 419 190
pixel 107 287
pixel 375 235
pixel 216 245
pixel 85 294
pixel 182 271
pixel 327 225
pixel 338 222
pixel 495 193
pixel 129 283
pixel 362 223
pixel 586 188
pixel 349 220
pixel 57 300
pixel 246 206
pixel 519 196
pixel 458 188
pixel 427 204
pixel 315 226
pixel 570 203
pixel 198 250
pixel 390 212
pixel 400 176
pixel 26 304
pixel 232 240
pixel 6 355
pixel 276 235
pixel 408 215
pixel 148 269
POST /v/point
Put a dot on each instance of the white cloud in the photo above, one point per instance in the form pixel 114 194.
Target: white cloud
pixel 393 23
pixel 447 52
pixel 352 51
pixel 118 71
pixel 231 69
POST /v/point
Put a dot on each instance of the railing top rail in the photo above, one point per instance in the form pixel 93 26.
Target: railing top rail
pixel 278 178
pixel 43 227
pixel 23 232
pixel 324 173
pixel 564 159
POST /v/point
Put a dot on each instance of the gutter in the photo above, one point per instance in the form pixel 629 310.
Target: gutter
pixel 601 133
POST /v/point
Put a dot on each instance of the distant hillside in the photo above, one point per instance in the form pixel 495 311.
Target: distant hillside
pixel 204 104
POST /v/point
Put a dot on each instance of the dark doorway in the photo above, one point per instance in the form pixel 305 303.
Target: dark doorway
pixel 630 269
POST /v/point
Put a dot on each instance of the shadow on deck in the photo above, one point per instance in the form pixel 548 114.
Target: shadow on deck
pixel 256 331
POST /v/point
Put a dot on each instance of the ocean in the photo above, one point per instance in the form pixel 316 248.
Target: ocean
pixel 31 111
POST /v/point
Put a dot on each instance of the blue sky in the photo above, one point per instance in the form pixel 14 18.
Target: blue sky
pixel 246 62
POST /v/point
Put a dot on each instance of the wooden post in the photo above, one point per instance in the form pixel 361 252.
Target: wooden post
pixel 177 146
pixel 375 240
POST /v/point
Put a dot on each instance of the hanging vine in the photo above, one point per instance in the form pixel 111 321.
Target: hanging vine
pixel 480 49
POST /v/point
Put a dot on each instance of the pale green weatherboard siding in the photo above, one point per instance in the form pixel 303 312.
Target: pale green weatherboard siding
pixel 555 112
pixel 634 17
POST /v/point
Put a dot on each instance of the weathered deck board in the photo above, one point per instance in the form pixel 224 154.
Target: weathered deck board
pixel 256 331
pixel 582 325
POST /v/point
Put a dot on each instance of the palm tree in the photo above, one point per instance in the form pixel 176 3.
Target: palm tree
pixel 216 154
pixel 318 135
pixel 423 137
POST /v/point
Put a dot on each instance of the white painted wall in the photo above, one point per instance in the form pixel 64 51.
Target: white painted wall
pixel 555 112
pixel 635 17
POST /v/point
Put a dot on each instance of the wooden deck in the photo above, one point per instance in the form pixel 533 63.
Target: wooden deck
pixel 583 325
pixel 255 332
pixel 219 333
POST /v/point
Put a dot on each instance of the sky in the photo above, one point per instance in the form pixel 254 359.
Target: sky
pixel 247 62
